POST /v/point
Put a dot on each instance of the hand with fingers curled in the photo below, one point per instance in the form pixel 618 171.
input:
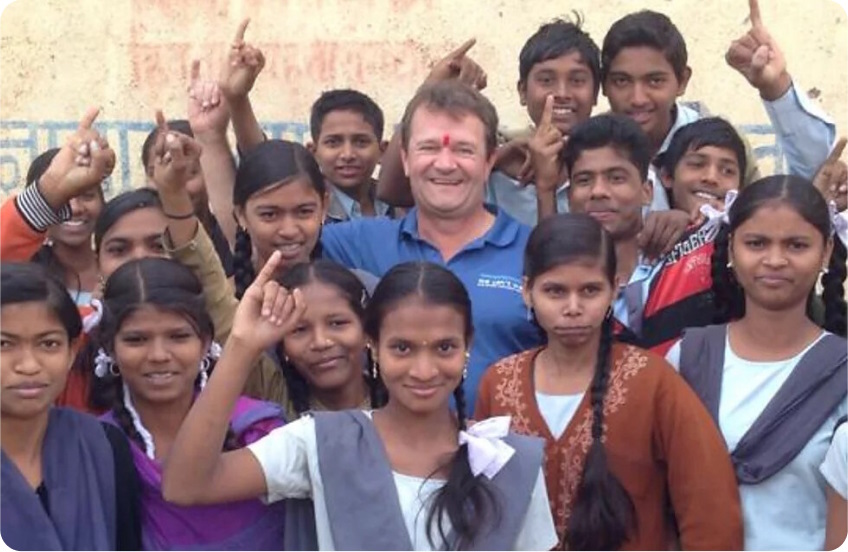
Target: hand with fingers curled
pixel 545 147
pixel 208 113
pixel 267 311
pixel 82 163
pixel 174 155
pixel 662 230
pixel 514 160
pixel 758 57
pixel 832 177
pixel 457 65
pixel 243 65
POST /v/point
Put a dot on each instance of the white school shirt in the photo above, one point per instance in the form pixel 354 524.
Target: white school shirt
pixel 289 458
pixel 835 465
pixel 787 511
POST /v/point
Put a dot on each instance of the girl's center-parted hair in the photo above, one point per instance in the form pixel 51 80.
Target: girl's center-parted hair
pixel 31 283
pixel 164 284
pixel 271 163
pixel 604 513
pixel 467 500
pixel 800 195
pixel 356 297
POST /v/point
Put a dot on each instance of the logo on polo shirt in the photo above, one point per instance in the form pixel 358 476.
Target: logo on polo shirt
pixel 499 281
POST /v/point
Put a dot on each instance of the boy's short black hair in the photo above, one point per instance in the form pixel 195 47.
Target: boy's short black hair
pixel 555 39
pixel 711 131
pixel 177 125
pixel 609 130
pixel 645 28
pixel 345 100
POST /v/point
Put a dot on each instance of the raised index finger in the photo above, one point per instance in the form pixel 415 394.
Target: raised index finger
pixel 161 123
pixel 837 150
pixel 195 70
pixel 242 28
pixel 547 112
pixel 462 50
pixel 267 273
pixel 88 119
pixel 754 13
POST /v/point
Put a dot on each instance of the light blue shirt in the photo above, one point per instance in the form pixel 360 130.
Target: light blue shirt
pixel 490 267
pixel 629 313
pixel 343 207
pixel 788 510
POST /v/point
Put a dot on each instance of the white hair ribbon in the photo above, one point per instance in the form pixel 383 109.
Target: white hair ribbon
pixel 715 217
pixel 838 223
pixel 92 319
pixel 103 363
pixel 487 452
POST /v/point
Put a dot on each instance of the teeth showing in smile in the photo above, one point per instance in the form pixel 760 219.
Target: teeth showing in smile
pixel 160 375
pixel 706 195
pixel 288 248
pixel 74 223
pixel 562 111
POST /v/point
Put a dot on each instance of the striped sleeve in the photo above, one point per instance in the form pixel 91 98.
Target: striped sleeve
pixel 37 213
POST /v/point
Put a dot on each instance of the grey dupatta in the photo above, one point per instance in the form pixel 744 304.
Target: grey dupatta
pixel 78 470
pixel 361 496
pixel 803 403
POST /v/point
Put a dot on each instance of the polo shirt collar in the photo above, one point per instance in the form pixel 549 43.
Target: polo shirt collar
pixel 502 233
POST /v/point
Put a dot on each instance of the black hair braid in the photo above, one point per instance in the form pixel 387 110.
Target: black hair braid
pixel 243 270
pixel 468 500
pixel 298 387
pixel 728 297
pixel 604 514
pixel 833 292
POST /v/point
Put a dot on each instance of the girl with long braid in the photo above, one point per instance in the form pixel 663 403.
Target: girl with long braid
pixel 626 439
pixel 454 487
pixel 772 379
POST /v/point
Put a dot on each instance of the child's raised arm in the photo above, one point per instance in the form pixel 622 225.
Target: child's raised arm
pixel 238 76
pixel 196 471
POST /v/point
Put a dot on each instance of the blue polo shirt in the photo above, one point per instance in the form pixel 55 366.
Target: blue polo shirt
pixel 490 267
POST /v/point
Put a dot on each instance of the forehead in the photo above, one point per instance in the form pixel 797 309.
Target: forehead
pixel 151 317
pixel 414 320
pixel 345 121
pixel 575 272
pixel 323 299
pixel 138 224
pixel 431 124
pixel 714 152
pixel 603 159
pixel 640 60
pixel 777 220
pixel 566 63
pixel 294 192
pixel 29 318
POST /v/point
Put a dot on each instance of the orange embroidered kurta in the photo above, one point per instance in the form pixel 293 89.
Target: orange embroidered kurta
pixel 660 442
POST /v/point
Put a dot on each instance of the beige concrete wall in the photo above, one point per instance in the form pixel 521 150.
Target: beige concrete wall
pixel 132 56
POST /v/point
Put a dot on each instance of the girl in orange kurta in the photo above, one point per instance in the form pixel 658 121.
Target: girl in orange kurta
pixel 632 458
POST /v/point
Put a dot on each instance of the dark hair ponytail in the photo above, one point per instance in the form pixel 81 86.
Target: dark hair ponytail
pixel 603 514
pixel 465 498
pixel 243 270
pixel 728 296
pixel 833 291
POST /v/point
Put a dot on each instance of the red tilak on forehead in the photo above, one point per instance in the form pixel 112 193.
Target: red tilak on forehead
pixel 446 140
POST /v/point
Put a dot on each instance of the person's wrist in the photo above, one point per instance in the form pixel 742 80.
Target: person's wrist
pixel 777 88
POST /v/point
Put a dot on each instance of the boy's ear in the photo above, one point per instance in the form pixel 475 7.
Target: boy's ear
pixel 311 147
pixel 521 87
pixel 667 179
pixel 383 145
pixel 684 82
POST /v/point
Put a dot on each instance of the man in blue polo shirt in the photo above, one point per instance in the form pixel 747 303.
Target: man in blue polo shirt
pixel 448 134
